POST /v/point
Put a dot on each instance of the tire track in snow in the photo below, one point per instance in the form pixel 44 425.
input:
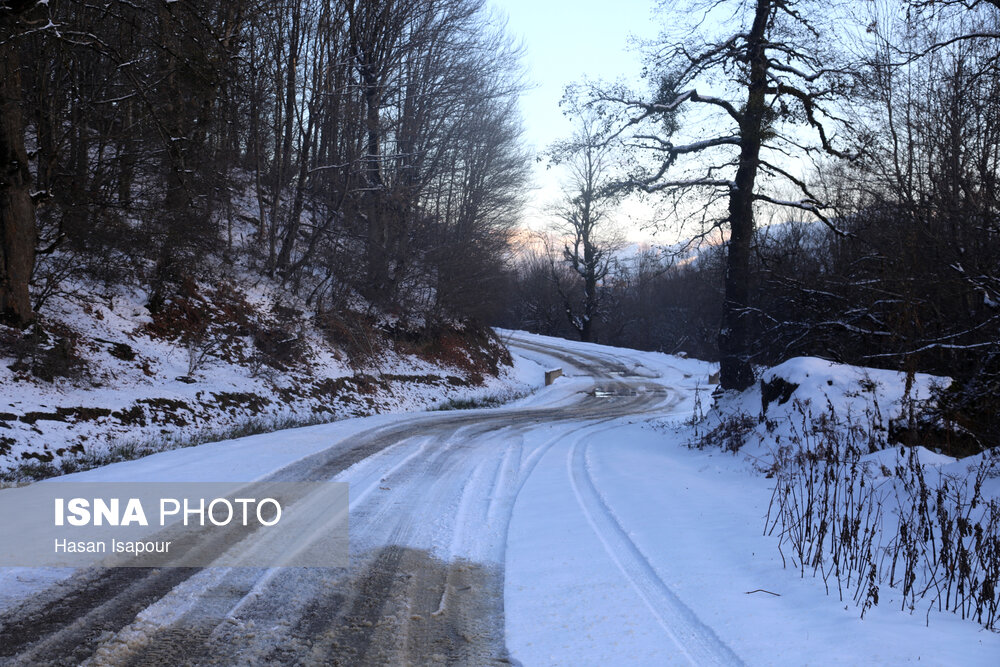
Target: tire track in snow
pixel 223 596
pixel 334 615
pixel 153 636
pixel 401 470
pixel 695 639
pixel 435 604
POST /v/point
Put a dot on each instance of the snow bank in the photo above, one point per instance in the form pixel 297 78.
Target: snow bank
pixel 805 393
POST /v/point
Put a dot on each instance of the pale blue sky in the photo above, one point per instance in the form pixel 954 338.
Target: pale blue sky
pixel 565 41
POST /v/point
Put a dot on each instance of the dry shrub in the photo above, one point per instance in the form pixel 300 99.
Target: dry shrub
pixel 730 434
pixel 965 417
pixel 190 315
pixel 860 527
pixel 47 350
pixel 475 350
pixel 355 334
pixel 214 322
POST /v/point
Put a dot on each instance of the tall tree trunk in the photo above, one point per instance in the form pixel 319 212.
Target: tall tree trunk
pixel 17 211
pixel 734 337
pixel 295 219
pixel 378 228
pixel 127 158
pixel 589 286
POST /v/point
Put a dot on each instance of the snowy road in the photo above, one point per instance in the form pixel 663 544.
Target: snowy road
pixel 565 529
pixel 432 497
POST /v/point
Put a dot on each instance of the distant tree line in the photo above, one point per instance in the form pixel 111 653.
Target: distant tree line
pixel 365 153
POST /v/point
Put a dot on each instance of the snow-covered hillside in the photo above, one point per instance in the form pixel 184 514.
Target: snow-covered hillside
pixel 100 379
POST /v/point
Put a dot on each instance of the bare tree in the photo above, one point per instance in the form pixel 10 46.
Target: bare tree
pixel 583 221
pixel 775 76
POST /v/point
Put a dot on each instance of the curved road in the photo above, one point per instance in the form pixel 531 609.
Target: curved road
pixel 431 499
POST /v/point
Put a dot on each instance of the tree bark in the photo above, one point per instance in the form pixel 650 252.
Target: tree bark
pixel 735 371
pixel 17 211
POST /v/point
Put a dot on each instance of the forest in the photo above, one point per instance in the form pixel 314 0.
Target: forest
pixel 353 151
pixel 833 169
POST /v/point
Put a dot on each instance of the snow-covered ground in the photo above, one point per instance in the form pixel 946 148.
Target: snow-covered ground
pixel 577 519
pixel 628 547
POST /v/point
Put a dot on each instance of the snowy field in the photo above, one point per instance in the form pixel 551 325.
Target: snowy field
pixel 576 519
